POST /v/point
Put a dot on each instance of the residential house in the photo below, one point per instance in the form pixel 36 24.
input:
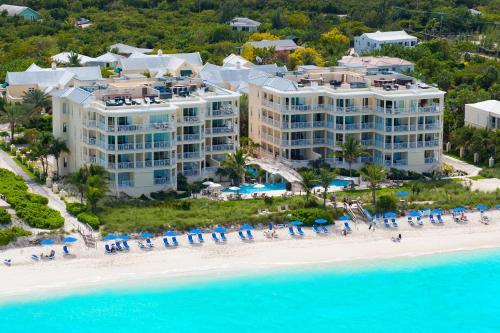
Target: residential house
pixel 485 114
pixel 244 24
pixel 22 11
pixel 369 42
pixel 377 64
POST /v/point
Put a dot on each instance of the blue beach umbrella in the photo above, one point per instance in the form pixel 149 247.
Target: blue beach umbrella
pixel 459 210
pixel 123 237
pixel 403 194
pixel 320 221
pixel 482 207
pixel 390 214
pixel 246 227
pixel 146 235
pixel 414 214
pixel 195 232
pixel 70 239
pixel 436 211
pixel 170 233
pixel 47 242
pixel 344 218
pixel 498 206
pixel 220 229
pixel 110 237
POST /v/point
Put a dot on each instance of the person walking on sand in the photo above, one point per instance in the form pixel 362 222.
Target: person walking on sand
pixel 400 237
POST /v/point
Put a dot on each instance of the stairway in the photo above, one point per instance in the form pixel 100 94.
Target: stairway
pixel 357 213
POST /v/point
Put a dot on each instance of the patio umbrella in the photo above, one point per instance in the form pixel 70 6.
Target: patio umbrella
pixel 296 223
pixel 459 210
pixel 146 235
pixel 259 186
pixel 320 221
pixel 482 207
pixel 390 214
pixel 414 214
pixel 47 242
pixel 110 237
pixel 344 218
pixel 170 233
pixel 403 194
pixel 214 185
pixel 234 188
pixel 436 211
pixel 246 227
pixel 123 237
pixel 220 229
pixel 207 183
pixel 70 239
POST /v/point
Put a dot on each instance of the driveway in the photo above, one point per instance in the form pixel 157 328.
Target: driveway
pixel 470 169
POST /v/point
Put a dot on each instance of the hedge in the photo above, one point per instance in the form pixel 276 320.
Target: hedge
pixel 308 215
pixel 5 217
pixel 75 208
pixel 90 219
pixel 40 216
pixel 8 235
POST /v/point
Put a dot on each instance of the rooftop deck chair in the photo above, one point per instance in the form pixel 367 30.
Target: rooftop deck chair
pixel 249 234
pixel 420 221
pixel 200 238
pixel 119 246
pixel 149 243
pixel 165 242
pixel 386 223
pixel 347 227
pixel 107 249
pixel 190 239
pixel 223 237
pixel 440 218
pixel 299 230
pixel 431 218
pixel 290 231
pixel 7 262
pixel 65 250
pixel 394 223
pixel 125 246
pixel 35 257
pixel 214 237
pixel 410 220
pixel 240 233
pixel 316 229
pixel 325 229
pixel 174 241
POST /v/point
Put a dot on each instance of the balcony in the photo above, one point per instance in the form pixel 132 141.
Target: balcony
pixel 367 125
pixel 129 128
pixel 161 181
pixel 126 146
pixel 227 111
pixel 158 126
pixel 322 141
pixel 270 138
pixel 219 130
pixel 431 143
pixel 90 141
pixel 191 119
pixel 189 137
pixel 125 183
pixel 111 146
pixel 401 128
pixel 271 121
pixel 432 126
pixel 295 125
pixel 319 124
pixel 162 144
pixel 430 108
pixel 429 160
pixel 191 173
pixel 126 165
pixel 91 123
pixel 164 162
pixel 350 127
pixel 300 142
pixel 400 163
pixel 367 143
pixel 400 145
pixel 189 155
pixel 221 147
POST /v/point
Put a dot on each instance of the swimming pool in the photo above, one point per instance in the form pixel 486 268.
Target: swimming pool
pixel 250 189
pixel 340 182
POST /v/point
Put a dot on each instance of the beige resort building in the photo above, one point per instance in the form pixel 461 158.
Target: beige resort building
pixel 145 132
pixel 305 116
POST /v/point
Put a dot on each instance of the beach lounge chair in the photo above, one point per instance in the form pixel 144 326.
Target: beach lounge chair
pixel 7 262
pixel 440 218
pixel 174 241
pixel 223 237
pixel 108 249
pixel 316 229
pixel 299 230
pixel 125 246
pixel 394 223
pixel 291 232
pixel 484 219
pixel 52 255
pixel 249 234
pixel 242 237
pixel 419 220
pixel 456 218
pixel 66 250
pixel 325 229
pixel 214 237
pixel 347 227
pixel 200 238
pixel 410 221
pixel 190 239
pixel 165 242
pixel 35 257
pixel 431 218
pixel 149 243
pixel 119 246
pixel 386 223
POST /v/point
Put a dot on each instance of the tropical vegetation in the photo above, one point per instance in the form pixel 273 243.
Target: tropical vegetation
pixel 91 182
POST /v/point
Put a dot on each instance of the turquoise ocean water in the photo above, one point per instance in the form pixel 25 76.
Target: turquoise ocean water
pixel 455 293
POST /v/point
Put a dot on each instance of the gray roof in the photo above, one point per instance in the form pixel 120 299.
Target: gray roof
pixel 13 10
pixel 50 77
pixel 275 82
pixel 152 62
pixel 127 49
pixel 280 44
pixel 76 95
pixel 243 22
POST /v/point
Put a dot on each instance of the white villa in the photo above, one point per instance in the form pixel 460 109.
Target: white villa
pixel 145 132
pixel 244 24
pixel 306 116
pixel 485 114
pixel 368 42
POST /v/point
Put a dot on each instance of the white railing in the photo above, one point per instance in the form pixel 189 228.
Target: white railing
pixel 129 128
pixel 164 162
pixel 216 130
pixel 158 126
pixel 161 144
pixel 220 147
pixel 187 155
pixel 189 137
pixel 126 165
pixel 429 160
pixel 189 173
pixel 190 119
pixel 126 183
pixel 126 146
pixel 161 181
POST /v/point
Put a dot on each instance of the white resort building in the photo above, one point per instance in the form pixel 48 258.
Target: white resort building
pixel 145 132
pixel 306 116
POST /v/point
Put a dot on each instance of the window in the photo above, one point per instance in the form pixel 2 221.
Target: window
pixel 65 127
pixel 65 162
pixel 31 89
pixel 65 107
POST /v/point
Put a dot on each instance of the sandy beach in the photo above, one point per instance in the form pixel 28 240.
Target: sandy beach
pixel 92 268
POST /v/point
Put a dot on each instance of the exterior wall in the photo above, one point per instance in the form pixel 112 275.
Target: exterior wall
pixel 30 14
pixel 363 44
pixel 479 118
pixel 15 92
pixel 248 28
pixel 397 130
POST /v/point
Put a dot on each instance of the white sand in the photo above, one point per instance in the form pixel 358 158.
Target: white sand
pixel 91 268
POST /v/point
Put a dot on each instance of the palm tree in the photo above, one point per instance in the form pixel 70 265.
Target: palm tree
pixel 41 101
pixel 249 146
pixel 73 60
pixel 309 180
pixel 374 174
pixel 325 178
pixel 235 163
pixel 91 181
pixel 351 150
pixel 16 114
pixel 58 147
pixel 78 180
pixel 40 149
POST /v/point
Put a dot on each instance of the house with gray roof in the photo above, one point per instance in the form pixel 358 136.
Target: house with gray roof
pixel 22 11
pixel 159 65
pixel 127 50
pixel 244 24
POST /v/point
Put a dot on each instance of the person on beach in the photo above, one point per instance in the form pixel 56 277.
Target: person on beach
pixel 400 237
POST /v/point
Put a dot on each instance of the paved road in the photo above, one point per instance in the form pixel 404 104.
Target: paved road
pixel 470 169
pixel 54 201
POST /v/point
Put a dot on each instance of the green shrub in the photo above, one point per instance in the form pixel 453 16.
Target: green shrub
pixel 308 215
pixel 75 208
pixel 8 235
pixel 37 198
pixel 386 203
pixel 90 219
pixel 490 172
pixel 39 216
pixel 5 217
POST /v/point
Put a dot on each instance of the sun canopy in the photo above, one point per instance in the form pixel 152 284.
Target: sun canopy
pixel 296 223
pixel 414 214
pixel 195 232
pixel 390 214
pixel 481 207
pixel 220 229
pixel 124 237
pixel 110 237
pixel 246 227
pixel 146 235
pixel 459 210
pixel 436 211
pixel 344 218
pixel 70 239
pixel 47 242
pixel 170 233
pixel 320 221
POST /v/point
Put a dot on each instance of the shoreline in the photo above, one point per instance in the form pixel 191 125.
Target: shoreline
pixel 91 270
